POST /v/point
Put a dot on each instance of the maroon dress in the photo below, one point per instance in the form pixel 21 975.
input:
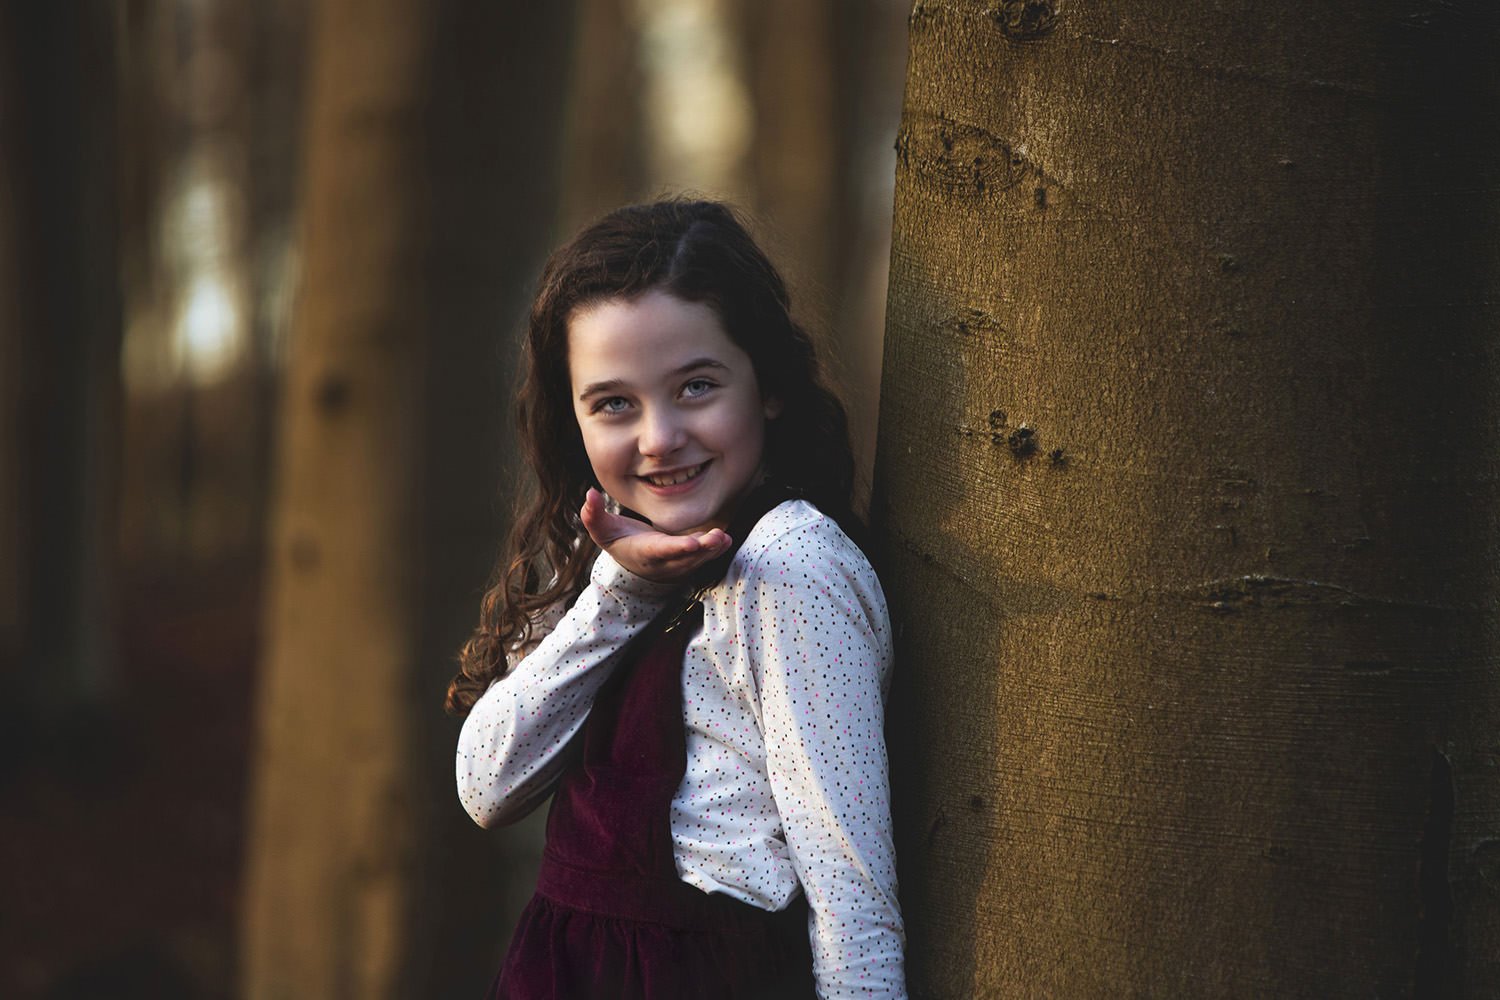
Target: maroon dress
pixel 610 917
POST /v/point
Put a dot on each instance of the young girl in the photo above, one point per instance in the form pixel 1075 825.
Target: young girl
pixel 696 660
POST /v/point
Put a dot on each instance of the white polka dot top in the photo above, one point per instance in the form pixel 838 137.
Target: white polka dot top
pixel 783 697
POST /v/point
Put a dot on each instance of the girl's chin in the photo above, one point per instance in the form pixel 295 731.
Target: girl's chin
pixel 668 525
pixel 678 521
pixel 689 515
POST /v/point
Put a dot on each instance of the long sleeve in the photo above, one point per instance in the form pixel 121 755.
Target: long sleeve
pixel 511 746
pixel 818 623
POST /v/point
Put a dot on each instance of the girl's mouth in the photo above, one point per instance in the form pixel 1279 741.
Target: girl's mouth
pixel 676 478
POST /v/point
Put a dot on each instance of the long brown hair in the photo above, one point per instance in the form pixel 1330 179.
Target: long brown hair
pixel 698 251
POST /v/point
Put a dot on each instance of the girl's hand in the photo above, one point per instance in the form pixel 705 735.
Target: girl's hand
pixel 645 551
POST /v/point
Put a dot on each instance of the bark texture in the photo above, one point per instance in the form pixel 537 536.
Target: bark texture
pixel 1188 475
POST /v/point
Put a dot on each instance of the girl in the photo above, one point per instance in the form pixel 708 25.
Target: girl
pixel 696 661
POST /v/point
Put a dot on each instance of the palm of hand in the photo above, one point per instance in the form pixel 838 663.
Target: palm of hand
pixel 645 551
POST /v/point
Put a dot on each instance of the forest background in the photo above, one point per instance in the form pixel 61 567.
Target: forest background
pixel 188 185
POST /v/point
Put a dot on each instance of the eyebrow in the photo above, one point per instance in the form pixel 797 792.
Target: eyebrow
pixel 610 385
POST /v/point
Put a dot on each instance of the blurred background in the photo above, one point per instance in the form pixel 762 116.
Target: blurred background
pixel 262 271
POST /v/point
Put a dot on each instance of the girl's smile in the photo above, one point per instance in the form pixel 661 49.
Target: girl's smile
pixel 671 413
pixel 663 482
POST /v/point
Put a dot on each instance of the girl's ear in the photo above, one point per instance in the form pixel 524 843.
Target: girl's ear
pixel 772 407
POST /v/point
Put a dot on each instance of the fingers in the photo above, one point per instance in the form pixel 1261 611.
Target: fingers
pixel 645 551
pixel 606 528
pixel 697 548
pixel 714 538
pixel 668 558
pixel 596 520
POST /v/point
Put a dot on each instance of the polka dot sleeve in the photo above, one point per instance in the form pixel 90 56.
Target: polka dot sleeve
pixel 819 637
pixel 511 747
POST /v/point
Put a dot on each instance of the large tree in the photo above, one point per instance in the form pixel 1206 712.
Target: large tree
pixel 1188 479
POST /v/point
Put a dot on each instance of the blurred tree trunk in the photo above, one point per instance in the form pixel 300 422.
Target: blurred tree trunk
pixel 12 413
pixel 275 62
pixel 799 142
pixel 333 836
pixel 869 56
pixel 59 362
pixel 427 194
pixel 826 80
pixel 605 162
pixel 494 142
pixel 1188 473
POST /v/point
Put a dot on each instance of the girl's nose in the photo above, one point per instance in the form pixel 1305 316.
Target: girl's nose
pixel 661 432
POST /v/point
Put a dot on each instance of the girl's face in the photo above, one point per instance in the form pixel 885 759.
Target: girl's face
pixel 671 413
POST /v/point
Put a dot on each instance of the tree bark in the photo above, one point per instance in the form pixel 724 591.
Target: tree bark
pixel 1188 476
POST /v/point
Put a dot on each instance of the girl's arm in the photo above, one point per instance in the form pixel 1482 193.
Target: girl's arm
pixel 511 746
pixel 820 632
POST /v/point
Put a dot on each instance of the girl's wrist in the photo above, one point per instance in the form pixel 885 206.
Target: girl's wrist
pixel 611 574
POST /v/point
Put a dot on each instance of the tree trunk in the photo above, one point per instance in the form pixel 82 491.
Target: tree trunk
pixel 13 598
pixel 1188 476
pixel 428 197
pixel 60 368
pixel 604 166
pixel 333 838
pixel 797 156
pixel 494 195
pixel 825 81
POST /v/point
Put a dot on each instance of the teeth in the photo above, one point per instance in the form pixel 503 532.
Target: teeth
pixel 675 478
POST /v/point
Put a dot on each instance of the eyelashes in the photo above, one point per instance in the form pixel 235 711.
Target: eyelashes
pixel 693 388
pixel 607 405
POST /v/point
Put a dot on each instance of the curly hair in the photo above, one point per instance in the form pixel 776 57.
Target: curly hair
pixel 698 251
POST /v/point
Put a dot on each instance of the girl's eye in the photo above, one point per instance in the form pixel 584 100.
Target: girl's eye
pixel 611 404
pixel 697 387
